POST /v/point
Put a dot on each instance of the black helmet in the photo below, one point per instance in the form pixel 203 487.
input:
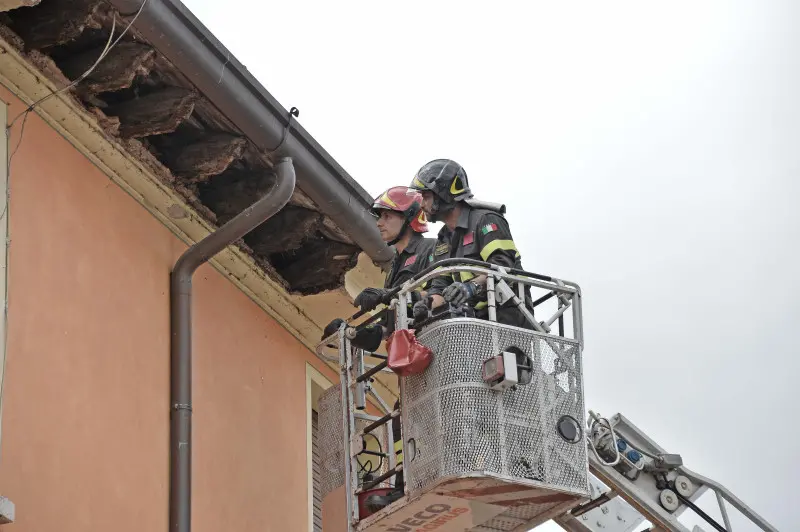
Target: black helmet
pixel 445 178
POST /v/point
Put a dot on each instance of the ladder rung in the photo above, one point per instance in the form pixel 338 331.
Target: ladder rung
pixel 383 420
pixel 365 417
pixel 375 369
pixel 373 453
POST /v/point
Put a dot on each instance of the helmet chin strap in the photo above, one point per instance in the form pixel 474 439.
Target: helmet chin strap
pixel 406 224
pixel 439 209
pixel 400 234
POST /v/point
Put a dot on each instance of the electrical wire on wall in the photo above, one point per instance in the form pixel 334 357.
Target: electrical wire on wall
pixel 110 44
pixel 5 233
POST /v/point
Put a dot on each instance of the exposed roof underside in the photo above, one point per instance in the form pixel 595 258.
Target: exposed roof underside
pixel 151 109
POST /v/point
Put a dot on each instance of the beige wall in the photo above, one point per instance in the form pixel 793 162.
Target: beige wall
pixel 86 401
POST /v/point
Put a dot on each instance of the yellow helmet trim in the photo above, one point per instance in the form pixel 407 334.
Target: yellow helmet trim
pixel 419 184
pixel 387 200
pixel 453 189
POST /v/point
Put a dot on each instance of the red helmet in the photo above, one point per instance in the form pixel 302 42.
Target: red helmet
pixel 405 201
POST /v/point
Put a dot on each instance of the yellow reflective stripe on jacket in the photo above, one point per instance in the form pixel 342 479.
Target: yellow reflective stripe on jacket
pixel 398 450
pixel 465 276
pixel 436 269
pixel 498 245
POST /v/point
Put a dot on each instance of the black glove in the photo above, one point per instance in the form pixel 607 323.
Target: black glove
pixel 420 311
pixel 332 327
pixel 369 298
pixel 459 293
pixel 369 338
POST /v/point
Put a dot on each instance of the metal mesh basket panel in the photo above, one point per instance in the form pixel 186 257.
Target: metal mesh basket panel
pixel 460 426
pixel 331 441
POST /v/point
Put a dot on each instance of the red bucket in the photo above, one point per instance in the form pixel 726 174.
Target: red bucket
pixel 362 499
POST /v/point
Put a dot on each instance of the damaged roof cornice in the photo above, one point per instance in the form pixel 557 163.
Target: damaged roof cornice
pixel 181 38
pixel 81 129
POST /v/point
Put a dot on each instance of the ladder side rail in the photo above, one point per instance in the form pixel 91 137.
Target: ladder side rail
pixel 401 321
pixel 344 347
pixel 355 443
pixel 724 494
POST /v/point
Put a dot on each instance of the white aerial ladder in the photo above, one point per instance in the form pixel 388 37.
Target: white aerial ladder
pixel 495 434
pixel 654 484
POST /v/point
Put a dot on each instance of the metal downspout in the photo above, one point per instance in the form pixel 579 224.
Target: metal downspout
pixel 177 34
pixel 180 494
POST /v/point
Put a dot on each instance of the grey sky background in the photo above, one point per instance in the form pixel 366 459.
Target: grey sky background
pixel 648 151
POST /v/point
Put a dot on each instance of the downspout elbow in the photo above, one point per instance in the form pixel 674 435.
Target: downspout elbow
pixel 244 222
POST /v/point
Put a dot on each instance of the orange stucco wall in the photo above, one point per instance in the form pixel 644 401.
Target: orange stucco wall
pixel 86 401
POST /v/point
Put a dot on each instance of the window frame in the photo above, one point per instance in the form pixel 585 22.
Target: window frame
pixel 314 379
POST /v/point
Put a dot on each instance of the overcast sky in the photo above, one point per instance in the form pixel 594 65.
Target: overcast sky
pixel 648 151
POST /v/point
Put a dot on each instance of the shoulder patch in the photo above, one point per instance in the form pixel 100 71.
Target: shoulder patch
pixel 488 228
pixel 410 260
pixel 441 249
pixel 469 238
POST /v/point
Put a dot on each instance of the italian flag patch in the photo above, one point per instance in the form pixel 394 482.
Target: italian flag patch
pixel 486 229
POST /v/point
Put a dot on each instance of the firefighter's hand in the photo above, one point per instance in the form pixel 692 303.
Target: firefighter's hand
pixel 459 293
pixel 369 298
pixel 369 338
pixel 332 327
pixel 420 311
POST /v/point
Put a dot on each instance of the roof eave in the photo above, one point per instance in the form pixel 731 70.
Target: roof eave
pixel 178 35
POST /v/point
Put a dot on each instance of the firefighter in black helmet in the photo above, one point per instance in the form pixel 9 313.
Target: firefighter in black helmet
pixel 470 231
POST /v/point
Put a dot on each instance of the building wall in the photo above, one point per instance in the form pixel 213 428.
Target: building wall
pixel 85 411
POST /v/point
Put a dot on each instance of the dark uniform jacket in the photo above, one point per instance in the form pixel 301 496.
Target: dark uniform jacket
pixel 484 235
pixel 416 257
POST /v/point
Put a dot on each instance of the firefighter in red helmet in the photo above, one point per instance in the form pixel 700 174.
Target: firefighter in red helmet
pixel 401 223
